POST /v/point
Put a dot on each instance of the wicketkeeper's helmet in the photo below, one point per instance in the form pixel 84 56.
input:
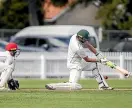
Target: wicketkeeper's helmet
pixel 13 49
pixel 11 46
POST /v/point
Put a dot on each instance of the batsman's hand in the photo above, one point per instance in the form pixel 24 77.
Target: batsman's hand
pixel 103 61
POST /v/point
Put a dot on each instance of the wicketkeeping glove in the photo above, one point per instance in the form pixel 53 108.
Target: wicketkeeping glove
pixel 13 84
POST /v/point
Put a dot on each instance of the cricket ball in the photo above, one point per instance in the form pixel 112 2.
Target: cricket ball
pixel 105 77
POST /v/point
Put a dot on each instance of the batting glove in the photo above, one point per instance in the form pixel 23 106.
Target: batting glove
pixel 103 61
pixel 99 55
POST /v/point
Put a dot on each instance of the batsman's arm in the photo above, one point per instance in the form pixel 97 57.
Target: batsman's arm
pixel 82 53
pixel 87 59
pixel 90 47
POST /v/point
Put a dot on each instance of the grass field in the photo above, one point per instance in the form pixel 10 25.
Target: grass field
pixel 32 94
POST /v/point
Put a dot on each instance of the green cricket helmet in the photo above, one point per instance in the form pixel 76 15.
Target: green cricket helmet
pixel 83 34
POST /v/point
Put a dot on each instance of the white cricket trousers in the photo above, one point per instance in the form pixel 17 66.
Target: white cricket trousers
pixel 74 75
pixel 5 75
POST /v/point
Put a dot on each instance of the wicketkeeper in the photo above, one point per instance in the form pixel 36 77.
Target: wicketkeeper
pixel 8 66
pixel 78 61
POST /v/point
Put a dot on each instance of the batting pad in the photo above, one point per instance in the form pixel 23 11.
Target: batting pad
pixel 64 86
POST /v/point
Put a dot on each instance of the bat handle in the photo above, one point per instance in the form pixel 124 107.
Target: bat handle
pixel 110 64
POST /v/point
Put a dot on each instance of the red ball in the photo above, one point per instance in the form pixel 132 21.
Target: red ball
pixel 105 77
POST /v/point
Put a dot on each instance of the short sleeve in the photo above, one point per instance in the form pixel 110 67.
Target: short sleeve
pixel 82 53
pixel 3 54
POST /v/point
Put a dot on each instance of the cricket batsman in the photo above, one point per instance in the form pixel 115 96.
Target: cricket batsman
pixel 78 61
pixel 7 67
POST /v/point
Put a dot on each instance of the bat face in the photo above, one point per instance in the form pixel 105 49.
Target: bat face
pixel 119 69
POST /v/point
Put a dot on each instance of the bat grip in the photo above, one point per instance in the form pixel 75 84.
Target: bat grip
pixel 110 64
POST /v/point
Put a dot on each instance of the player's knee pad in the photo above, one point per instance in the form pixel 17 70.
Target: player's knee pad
pixel 99 78
pixel 97 75
pixel 95 72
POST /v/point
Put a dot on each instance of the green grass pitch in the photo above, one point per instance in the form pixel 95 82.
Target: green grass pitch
pixel 32 94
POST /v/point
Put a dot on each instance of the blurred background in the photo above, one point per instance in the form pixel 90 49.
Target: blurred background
pixel 43 28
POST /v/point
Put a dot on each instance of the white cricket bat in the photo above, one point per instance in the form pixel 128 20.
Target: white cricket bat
pixel 117 68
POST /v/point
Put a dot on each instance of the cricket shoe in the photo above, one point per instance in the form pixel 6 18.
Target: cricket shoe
pixel 49 87
pixel 105 88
